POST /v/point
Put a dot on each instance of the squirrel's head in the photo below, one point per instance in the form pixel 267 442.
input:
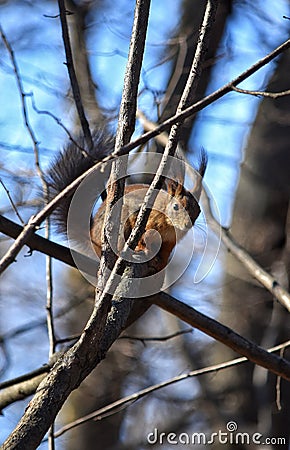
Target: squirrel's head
pixel 183 208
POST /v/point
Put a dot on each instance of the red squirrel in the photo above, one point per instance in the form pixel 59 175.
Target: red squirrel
pixel 174 212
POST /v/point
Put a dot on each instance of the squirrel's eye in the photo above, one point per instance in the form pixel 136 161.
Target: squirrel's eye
pixel 175 206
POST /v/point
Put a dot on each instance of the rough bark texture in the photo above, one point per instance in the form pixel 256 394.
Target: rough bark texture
pixel 71 369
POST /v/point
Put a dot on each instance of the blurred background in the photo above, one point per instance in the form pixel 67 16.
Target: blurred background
pixel 247 140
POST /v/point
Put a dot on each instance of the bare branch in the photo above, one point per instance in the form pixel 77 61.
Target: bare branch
pixel 216 330
pixel 23 96
pixel 41 244
pixel 126 127
pixel 142 339
pixel 20 391
pixel 58 121
pixel 21 387
pixel 222 333
pixel 36 323
pixel 27 388
pixel 12 202
pixel 267 280
pixel 171 145
pixel 208 100
pixel 69 371
pixel 157 338
pixel 29 382
pixel 72 75
pixel 50 322
pixel 27 376
pixel 261 93
pixel 115 407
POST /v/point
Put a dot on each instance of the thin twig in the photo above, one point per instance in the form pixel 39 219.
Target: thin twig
pixel 115 407
pixel 50 324
pixel 278 385
pixel 49 312
pixel 133 338
pixel 261 93
pixel 58 121
pixel 49 301
pixel 12 202
pixel 72 75
pixel 23 96
pixel 157 338
pixel 208 100
pixel 266 279
pixel 11 254
pixel 44 184
pixel 40 322
pixel 171 145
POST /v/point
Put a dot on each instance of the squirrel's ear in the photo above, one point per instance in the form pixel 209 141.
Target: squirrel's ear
pixel 201 171
pixel 174 188
pixel 171 187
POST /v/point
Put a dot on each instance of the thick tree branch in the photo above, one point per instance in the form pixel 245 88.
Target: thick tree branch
pixel 126 127
pixel 222 333
pixel 43 245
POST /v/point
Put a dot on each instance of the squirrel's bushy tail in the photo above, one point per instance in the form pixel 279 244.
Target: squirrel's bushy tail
pixel 70 164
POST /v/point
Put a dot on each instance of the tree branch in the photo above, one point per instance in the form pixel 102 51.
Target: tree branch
pixel 266 279
pixel 261 93
pixel 126 127
pixel 115 407
pixel 208 100
pixel 72 75
pixel 212 328
pixel 187 96
pixel 43 245
pixel 224 334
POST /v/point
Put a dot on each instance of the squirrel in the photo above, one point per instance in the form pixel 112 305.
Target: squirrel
pixel 174 212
